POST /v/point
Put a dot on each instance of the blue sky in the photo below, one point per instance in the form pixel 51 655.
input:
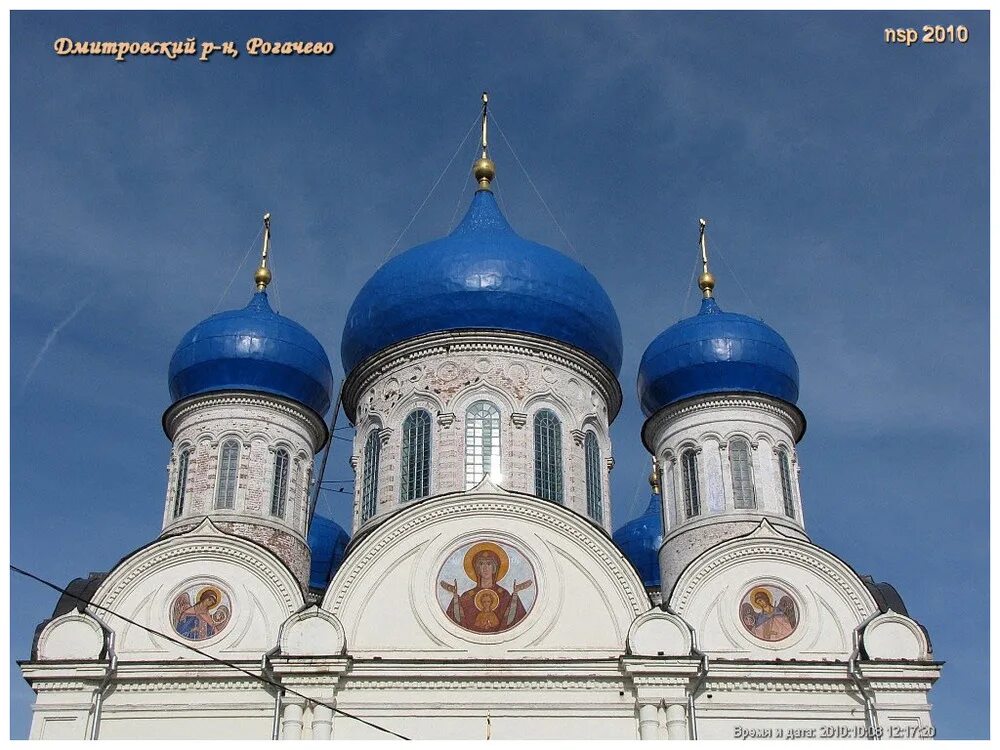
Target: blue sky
pixel 845 180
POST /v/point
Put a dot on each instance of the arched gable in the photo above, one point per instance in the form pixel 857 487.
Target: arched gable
pixel 582 598
pixel 159 584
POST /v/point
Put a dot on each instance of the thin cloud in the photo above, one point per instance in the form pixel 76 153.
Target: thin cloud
pixel 52 337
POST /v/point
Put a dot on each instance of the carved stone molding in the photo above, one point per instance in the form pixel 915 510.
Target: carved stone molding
pixel 518 419
pixel 455 343
pixel 446 419
pixel 578 436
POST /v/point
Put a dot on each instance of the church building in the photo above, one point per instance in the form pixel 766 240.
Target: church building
pixel 481 592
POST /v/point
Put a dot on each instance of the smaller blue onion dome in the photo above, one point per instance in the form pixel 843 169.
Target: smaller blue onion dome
pixel 482 276
pixel 252 349
pixel 640 541
pixel 328 545
pixel 716 352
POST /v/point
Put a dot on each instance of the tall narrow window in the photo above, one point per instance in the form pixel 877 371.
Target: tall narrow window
pixel 548 456
pixel 786 482
pixel 180 489
pixel 689 480
pixel 229 460
pixel 739 462
pixel 482 443
pixel 416 456
pixel 279 484
pixel 592 461
pixel 369 486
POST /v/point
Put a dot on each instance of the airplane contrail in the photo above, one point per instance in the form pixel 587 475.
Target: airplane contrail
pixel 52 337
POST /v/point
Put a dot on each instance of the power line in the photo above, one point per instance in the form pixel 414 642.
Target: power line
pixel 188 646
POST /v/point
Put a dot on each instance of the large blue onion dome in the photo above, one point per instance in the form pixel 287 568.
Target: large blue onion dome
pixel 482 276
pixel 716 352
pixel 252 349
pixel 328 545
pixel 640 540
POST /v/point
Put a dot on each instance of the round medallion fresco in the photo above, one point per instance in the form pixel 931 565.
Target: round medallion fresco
pixel 769 613
pixel 201 611
pixel 486 586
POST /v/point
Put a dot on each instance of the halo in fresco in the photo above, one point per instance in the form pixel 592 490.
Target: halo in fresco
pixel 769 613
pixel 201 611
pixel 486 586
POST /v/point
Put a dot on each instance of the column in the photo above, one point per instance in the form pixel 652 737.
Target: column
pixel 676 722
pixel 649 723
pixel 291 722
pixel 322 724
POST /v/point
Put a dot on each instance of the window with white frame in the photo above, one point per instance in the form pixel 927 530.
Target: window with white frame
pixel 548 456
pixel 592 468
pixel 482 443
pixel 416 457
pixel 180 486
pixel 369 479
pixel 742 471
pixel 229 461
pixel 785 470
pixel 689 482
pixel 279 482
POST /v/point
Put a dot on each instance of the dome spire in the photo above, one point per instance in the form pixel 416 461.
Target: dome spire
pixel 262 276
pixel 484 170
pixel 706 282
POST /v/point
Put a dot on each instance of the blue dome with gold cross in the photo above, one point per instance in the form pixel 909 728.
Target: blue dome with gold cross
pixel 253 349
pixel 482 276
pixel 715 352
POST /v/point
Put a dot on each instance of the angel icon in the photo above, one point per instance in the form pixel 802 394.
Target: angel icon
pixel 763 619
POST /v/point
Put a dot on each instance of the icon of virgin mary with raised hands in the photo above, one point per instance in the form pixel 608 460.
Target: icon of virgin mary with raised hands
pixel 487 607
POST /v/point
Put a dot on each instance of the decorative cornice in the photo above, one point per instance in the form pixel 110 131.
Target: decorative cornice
pixel 519 419
pixel 489 341
pixel 788 413
pixel 177 412
pixel 446 419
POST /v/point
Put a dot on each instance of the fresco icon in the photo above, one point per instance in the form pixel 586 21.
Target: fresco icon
pixel 486 586
pixel 769 613
pixel 200 612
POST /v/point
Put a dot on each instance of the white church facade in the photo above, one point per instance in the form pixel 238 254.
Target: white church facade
pixel 481 592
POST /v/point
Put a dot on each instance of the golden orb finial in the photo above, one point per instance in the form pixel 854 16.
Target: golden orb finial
pixel 484 170
pixel 706 282
pixel 262 276
pixel 654 477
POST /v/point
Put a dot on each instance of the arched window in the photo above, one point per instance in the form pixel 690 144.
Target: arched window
pixel 739 462
pixel 279 484
pixel 689 480
pixel 785 469
pixel 229 461
pixel 369 486
pixel 482 443
pixel 416 456
pixel 592 466
pixel 180 489
pixel 548 456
